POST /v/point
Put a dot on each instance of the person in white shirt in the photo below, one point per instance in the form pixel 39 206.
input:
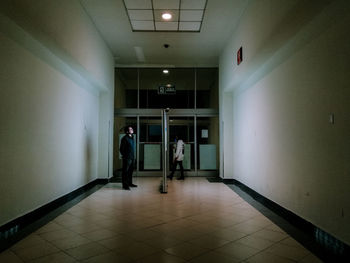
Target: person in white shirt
pixel 178 158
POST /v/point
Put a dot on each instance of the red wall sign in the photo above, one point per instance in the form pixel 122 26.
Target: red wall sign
pixel 239 56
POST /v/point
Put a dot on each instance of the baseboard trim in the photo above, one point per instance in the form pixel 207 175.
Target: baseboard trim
pixel 318 241
pixel 20 227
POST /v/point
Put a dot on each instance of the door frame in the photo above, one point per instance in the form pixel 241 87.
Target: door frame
pixel 134 112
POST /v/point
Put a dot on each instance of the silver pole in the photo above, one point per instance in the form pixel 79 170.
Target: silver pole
pixel 164 185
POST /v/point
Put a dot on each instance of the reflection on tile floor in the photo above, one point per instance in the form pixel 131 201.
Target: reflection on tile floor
pixel 196 221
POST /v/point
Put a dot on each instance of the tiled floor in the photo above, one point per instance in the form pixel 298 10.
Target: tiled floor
pixel 196 221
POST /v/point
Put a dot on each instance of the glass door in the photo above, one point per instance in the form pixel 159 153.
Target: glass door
pixel 182 128
pixel 150 146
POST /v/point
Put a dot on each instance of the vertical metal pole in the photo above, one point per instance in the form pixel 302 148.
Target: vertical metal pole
pixel 138 88
pixel 138 145
pixel 195 123
pixel 138 125
pixel 164 186
pixel 195 88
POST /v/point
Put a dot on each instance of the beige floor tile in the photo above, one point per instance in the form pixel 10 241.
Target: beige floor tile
pixel 86 251
pixel 185 234
pixel 273 236
pixel 255 242
pixel 9 257
pixel 99 234
pixel 59 257
pixel 67 243
pixel 228 234
pixel 36 251
pixel 83 228
pixel 213 257
pixel 163 242
pixel 161 257
pixel 274 227
pixel 58 234
pixel 52 226
pixel 294 253
pixel 311 259
pixel 237 251
pixel 209 241
pixel 144 234
pixel 245 227
pixel 196 220
pixel 291 242
pixel 265 257
pixel 67 220
pixel 29 241
pixel 116 241
pixel 137 250
pixel 110 257
pixel 186 251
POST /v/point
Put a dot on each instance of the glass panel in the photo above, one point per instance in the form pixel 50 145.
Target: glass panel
pixel 125 88
pixel 207 88
pixel 119 124
pixel 150 144
pixel 208 143
pixel 172 90
pixel 183 128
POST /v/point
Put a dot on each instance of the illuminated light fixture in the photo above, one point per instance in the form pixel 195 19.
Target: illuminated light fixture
pixel 166 16
pixel 165 71
pixel 168 85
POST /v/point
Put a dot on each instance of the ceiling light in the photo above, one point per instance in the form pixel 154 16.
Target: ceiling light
pixel 166 16
pixel 165 71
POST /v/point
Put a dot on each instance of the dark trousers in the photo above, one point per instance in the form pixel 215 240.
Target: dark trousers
pixel 128 169
pixel 174 168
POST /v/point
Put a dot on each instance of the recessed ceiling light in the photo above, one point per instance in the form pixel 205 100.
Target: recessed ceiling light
pixel 166 16
pixel 165 71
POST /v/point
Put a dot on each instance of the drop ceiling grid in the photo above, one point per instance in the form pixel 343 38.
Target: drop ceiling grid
pixel 145 15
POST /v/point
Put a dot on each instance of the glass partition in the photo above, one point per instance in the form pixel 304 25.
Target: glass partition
pixel 172 90
pixel 183 128
pixel 207 88
pixel 126 88
pixel 207 143
pixel 150 144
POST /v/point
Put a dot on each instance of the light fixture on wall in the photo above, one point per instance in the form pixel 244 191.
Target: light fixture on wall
pixel 165 71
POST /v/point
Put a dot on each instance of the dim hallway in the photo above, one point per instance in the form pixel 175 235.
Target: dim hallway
pixel 196 221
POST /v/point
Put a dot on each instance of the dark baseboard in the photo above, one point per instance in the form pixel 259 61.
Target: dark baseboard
pixel 322 244
pixel 20 227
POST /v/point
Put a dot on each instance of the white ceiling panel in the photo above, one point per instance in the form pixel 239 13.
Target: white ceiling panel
pixel 193 4
pixel 166 4
pixel 138 4
pixel 140 14
pixel 191 15
pixel 190 26
pixel 112 21
pixel 142 25
pixel 166 26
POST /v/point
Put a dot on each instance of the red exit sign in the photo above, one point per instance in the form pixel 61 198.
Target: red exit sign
pixel 239 56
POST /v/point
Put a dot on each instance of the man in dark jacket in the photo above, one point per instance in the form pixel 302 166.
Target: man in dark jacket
pixel 127 149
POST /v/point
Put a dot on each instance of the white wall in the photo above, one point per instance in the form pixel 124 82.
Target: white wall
pixel 56 77
pixel 294 74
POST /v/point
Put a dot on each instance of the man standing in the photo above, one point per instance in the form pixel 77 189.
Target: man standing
pixel 178 158
pixel 127 149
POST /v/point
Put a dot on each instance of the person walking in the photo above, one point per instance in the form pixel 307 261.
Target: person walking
pixel 127 149
pixel 178 158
